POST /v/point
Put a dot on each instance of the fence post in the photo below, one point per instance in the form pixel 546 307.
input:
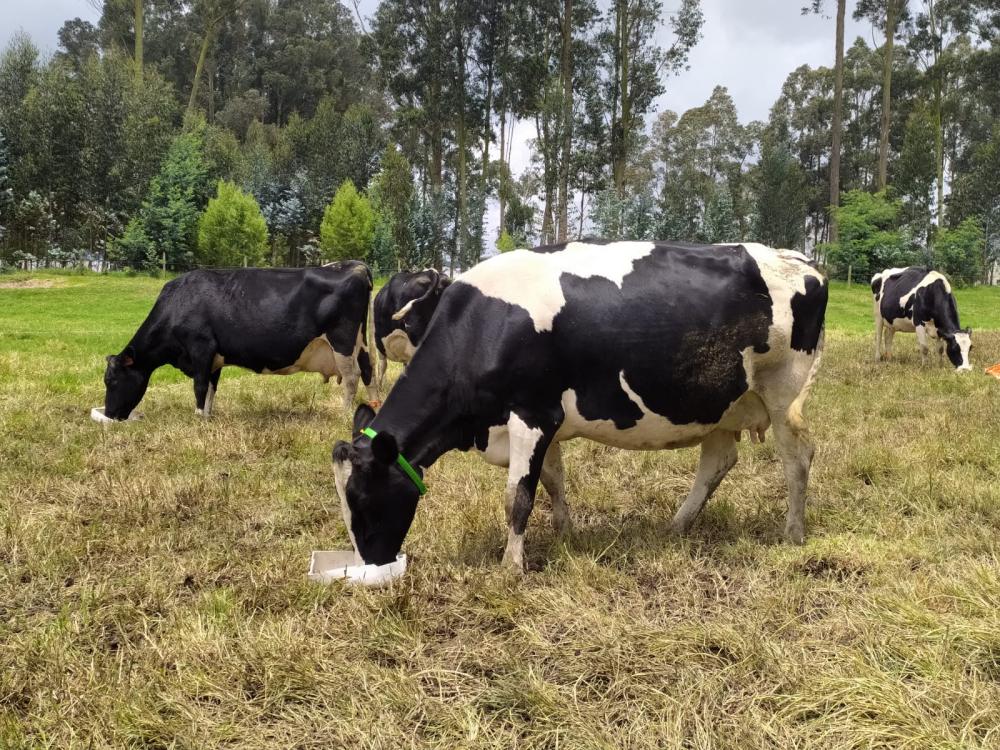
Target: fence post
pixel 849 270
pixel 164 262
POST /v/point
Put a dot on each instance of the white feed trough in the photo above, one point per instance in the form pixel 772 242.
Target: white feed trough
pixel 343 565
pixel 98 415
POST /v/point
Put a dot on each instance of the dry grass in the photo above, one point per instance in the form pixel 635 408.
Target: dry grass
pixel 153 592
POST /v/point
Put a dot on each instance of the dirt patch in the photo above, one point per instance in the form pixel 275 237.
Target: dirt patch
pixel 32 284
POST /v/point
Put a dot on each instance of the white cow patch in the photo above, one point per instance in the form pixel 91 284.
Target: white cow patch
pixel 531 280
pixel 964 341
pixel 318 356
pixel 341 475
pixel 785 275
pixel 522 449
pixel 929 279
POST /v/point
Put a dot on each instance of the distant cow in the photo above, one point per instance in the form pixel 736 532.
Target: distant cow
pixel 639 345
pixel 271 321
pixel 401 312
pixel 918 299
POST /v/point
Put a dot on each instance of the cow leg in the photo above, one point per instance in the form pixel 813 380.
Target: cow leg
pixel 202 385
pixel 878 333
pixel 554 482
pixel 796 451
pixel 528 446
pixel 718 456
pixel 940 348
pixel 348 369
pixel 888 332
pixel 213 386
pixel 922 342
pixel 383 365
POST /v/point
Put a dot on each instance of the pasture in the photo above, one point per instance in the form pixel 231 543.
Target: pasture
pixel 153 591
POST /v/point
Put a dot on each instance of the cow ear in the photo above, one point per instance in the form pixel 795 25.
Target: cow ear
pixel 363 417
pixel 384 448
pixel 128 356
pixel 111 359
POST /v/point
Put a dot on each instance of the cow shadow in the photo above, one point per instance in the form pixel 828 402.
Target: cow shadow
pixel 615 540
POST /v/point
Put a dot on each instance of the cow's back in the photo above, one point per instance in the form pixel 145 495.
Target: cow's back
pixel 263 319
pixel 631 325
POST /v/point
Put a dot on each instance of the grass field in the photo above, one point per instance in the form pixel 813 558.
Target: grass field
pixel 153 591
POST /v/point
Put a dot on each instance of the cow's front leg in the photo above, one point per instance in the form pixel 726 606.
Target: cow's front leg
pixel 213 387
pixel 922 342
pixel 206 377
pixel 528 445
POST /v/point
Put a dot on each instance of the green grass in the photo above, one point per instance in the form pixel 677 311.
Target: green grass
pixel 153 592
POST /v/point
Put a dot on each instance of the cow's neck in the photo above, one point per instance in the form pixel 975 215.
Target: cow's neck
pixel 945 316
pixel 152 348
pixel 417 416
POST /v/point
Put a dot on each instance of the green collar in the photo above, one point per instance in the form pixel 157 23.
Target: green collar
pixel 403 464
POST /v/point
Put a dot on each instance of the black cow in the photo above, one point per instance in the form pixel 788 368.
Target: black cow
pixel 400 314
pixel 638 345
pixel 272 321
pixel 918 299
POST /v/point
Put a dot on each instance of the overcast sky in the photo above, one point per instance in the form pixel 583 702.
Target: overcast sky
pixel 748 46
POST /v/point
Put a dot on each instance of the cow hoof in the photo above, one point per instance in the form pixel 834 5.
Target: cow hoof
pixel 679 528
pixel 795 534
pixel 513 565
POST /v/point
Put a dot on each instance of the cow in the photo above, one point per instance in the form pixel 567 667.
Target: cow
pixel 400 314
pixel 271 321
pixel 637 345
pixel 918 299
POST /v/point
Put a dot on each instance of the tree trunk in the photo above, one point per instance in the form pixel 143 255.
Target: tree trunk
pixel 138 41
pixel 838 121
pixel 502 172
pixel 566 74
pixel 620 129
pixel 199 67
pixel 462 216
pixel 891 17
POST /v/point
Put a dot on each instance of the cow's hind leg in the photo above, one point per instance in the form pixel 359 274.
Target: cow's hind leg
pixel 718 456
pixel 350 373
pixel 554 482
pixel 528 446
pixel 796 451
pixel 383 365
pixel 888 333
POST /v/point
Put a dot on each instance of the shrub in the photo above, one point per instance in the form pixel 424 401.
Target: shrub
pixel 958 252
pixel 232 231
pixel 348 227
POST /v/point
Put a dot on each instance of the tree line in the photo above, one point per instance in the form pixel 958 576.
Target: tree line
pixel 221 132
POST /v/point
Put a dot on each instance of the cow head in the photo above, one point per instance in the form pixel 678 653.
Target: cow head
pixel 377 499
pixel 125 384
pixel 416 314
pixel 958 345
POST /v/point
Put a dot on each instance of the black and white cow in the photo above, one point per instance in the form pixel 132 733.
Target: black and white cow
pixel 639 345
pixel 400 314
pixel 270 320
pixel 918 299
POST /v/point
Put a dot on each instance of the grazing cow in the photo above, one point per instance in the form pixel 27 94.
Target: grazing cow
pixel 917 299
pixel 638 345
pixel 400 314
pixel 274 321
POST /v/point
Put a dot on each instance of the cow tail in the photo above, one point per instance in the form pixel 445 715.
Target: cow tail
pixel 364 358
